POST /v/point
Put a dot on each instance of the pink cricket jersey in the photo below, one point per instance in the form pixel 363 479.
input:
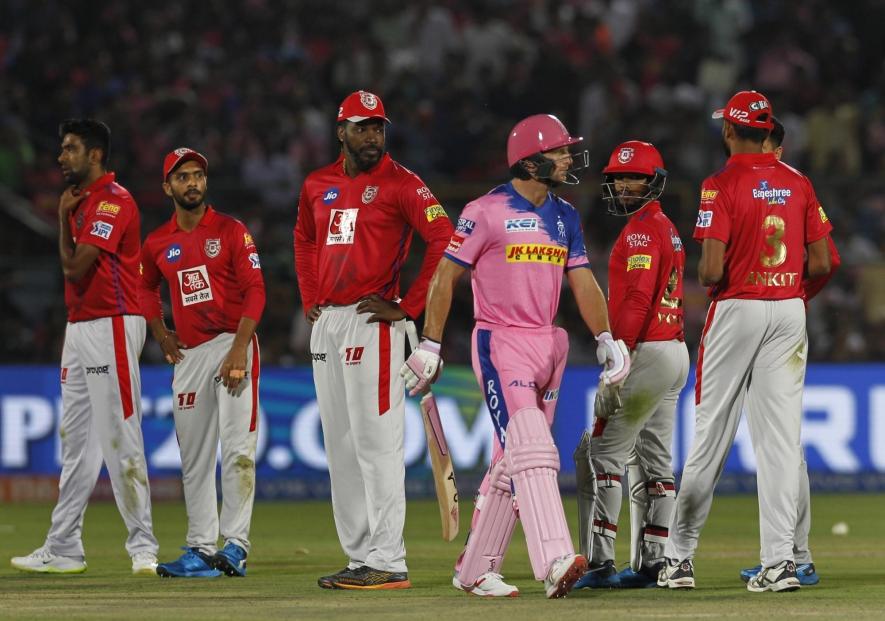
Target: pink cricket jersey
pixel 518 254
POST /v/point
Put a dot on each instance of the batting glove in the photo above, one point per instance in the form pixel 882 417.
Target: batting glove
pixel 614 357
pixel 422 368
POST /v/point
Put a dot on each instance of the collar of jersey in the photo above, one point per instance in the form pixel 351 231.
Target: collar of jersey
pixel 106 179
pixel 752 158
pixel 206 220
pixel 649 210
pixel 522 203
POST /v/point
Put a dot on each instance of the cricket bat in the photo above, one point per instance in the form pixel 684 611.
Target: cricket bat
pixel 440 458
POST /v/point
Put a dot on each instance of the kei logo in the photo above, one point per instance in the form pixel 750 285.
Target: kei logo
pixel 369 194
pixel 173 253
pixel 212 247
pixel 330 196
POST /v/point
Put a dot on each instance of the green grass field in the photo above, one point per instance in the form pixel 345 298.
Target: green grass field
pixel 294 543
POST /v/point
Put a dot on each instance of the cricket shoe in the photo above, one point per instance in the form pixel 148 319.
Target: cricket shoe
pixel 192 564
pixel 564 573
pixel 677 575
pixel 328 582
pixel 42 561
pixel 230 561
pixel 780 578
pixel 489 584
pixel 366 578
pixel 805 572
pixel 645 578
pixel 603 576
pixel 144 563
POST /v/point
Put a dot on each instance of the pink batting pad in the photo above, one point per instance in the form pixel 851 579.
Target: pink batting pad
pixel 491 529
pixel 533 462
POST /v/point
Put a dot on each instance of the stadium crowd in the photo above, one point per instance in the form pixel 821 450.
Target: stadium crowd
pixel 255 84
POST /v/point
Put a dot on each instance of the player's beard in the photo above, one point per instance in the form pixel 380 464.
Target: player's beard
pixel 73 176
pixel 190 200
pixel 366 157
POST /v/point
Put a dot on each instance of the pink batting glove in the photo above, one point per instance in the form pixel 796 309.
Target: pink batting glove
pixel 614 357
pixel 422 368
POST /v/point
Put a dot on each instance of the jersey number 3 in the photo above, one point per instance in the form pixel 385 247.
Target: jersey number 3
pixel 773 239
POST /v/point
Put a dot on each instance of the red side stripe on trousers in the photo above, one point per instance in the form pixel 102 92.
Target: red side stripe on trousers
pixel 699 369
pixel 121 361
pixel 383 368
pixel 256 371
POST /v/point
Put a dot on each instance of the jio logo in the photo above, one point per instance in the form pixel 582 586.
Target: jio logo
pixel 330 196
pixel 173 253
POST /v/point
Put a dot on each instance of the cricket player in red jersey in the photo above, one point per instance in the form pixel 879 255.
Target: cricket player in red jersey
pixel 758 217
pixel 805 569
pixel 355 222
pixel 645 305
pixel 99 237
pixel 214 275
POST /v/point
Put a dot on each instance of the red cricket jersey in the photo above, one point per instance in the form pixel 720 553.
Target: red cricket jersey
pixel 645 274
pixel 352 235
pixel 213 272
pixel 766 213
pixel 812 286
pixel 109 220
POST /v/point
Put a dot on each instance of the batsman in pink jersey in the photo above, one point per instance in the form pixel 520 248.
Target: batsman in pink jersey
pixel 518 240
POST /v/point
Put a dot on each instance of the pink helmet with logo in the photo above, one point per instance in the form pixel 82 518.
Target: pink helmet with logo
pixel 535 134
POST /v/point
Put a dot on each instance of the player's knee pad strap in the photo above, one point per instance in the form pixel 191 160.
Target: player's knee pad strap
pixel 602 526
pixel 533 462
pixel 608 479
pixel 655 533
pixel 658 488
pixel 490 535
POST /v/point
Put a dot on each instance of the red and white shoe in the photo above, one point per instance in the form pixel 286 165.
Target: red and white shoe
pixel 563 574
pixel 489 584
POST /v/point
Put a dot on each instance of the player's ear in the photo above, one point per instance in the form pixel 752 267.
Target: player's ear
pixel 340 132
pixel 167 189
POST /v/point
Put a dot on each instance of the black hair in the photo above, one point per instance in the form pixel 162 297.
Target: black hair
pixel 776 137
pixel 753 134
pixel 93 133
pixel 518 171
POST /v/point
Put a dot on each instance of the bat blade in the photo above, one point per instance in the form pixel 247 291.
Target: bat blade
pixel 443 470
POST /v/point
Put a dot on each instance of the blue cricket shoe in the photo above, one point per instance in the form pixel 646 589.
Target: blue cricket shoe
pixel 603 576
pixel 192 564
pixel 805 572
pixel 645 578
pixel 231 560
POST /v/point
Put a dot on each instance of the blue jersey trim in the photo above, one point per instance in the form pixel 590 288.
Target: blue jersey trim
pixel 492 389
pixel 458 261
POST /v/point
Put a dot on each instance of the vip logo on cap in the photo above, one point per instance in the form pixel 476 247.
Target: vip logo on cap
pixel 212 247
pixel 369 194
pixel 625 155
pixel 368 100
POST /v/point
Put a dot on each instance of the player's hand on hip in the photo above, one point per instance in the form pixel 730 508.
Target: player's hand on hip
pixel 172 346
pixel 69 199
pixel 422 368
pixel 614 357
pixel 381 309
pixel 233 369
pixel 313 314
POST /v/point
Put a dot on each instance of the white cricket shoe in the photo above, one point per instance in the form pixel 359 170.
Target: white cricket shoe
pixel 42 561
pixel 489 584
pixel 563 574
pixel 677 575
pixel 780 578
pixel 144 563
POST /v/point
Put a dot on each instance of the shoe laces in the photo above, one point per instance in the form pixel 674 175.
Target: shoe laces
pixel 42 553
pixel 141 557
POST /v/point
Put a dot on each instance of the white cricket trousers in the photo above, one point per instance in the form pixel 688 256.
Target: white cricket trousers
pixel 101 421
pixel 754 349
pixel 362 408
pixel 205 412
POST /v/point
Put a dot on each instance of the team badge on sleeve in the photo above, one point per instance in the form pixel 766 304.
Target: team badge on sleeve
pixel 455 243
pixel 256 262
pixel 639 262
pixel 247 240
pixel 212 248
pixel 705 219
pixel 822 213
pixel 102 229
pixel 465 226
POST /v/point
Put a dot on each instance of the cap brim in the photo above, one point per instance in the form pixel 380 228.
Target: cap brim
pixel 188 157
pixel 358 119
pixel 719 114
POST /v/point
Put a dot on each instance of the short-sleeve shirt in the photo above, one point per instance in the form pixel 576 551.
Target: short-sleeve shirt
pixel 213 272
pixel 109 220
pixel 518 254
pixel 645 273
pixel 765 212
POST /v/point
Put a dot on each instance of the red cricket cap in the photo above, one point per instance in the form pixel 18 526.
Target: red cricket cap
pixel 748 108
pixel 181 155
pixel 361 105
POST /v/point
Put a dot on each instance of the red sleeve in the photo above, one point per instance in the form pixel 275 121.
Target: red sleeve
pixel 714 218
pixel 424 213
pixel 105 223
pixel 247 266
pixel 149 285
pixel 812 286
pixel 306 251
pixel 817 224
pixel 640 277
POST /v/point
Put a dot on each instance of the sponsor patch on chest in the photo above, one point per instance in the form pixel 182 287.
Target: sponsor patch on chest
pixel 521 225
pixel 194 285
pixel 342 224
pixel 535 253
